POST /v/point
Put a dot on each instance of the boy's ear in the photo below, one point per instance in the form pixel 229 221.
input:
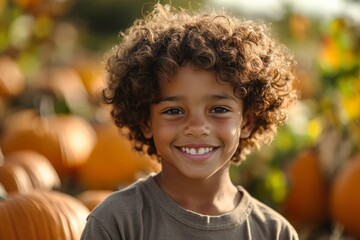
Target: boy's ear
pixel 146 129
pixel 247 124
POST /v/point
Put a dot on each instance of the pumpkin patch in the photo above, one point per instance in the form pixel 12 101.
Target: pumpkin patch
pixel 53 62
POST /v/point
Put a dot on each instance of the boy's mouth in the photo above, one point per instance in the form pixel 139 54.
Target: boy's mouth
pixel 196 151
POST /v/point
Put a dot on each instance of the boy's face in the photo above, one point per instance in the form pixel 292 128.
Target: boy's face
pixel 197 124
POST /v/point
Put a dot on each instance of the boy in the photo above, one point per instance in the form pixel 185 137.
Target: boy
pixel 197 92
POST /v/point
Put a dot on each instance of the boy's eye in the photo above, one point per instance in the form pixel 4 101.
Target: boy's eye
pixel 173 111
pixel 219 110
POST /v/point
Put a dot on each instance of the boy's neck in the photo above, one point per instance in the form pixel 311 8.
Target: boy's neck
pixel 213 196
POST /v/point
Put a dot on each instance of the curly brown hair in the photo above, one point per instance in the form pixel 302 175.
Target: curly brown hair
pixel 241 53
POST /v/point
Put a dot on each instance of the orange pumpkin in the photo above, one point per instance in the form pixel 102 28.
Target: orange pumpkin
pixel 24 171
pixel 42 215
pixel 345 197
pixel 305 204
pixel 11 78
pixel 66 140
pixel 113 162
pixel 92 198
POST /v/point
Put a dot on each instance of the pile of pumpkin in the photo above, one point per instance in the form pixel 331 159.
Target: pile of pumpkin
pixel 41 153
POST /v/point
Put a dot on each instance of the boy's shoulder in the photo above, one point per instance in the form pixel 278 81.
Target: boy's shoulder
pixel 266 218
pixel 125 198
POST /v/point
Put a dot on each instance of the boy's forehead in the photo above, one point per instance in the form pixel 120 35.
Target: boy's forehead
pixel 189 81
pixel 171 78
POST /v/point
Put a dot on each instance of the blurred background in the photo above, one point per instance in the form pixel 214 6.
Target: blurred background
pixel 51 70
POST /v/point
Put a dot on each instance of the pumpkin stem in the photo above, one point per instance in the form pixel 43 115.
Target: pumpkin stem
pixel 45 106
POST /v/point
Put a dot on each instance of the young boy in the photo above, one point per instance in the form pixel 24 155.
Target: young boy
pixel 198 92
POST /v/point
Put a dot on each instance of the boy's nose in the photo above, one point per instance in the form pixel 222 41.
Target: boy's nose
pixel 197 126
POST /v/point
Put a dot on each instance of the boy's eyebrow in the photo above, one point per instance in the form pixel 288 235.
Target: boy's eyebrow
pixel 170 99
pixel 210 97
pixel 224 96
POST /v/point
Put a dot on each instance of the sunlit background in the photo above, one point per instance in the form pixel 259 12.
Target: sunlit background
pixel 51 70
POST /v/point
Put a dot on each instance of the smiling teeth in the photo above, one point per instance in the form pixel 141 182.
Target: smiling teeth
pixel 194 151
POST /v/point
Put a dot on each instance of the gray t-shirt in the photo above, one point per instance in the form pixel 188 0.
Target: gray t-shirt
pixel 144 211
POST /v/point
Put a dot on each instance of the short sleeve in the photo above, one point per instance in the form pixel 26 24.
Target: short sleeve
pixel 94 230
